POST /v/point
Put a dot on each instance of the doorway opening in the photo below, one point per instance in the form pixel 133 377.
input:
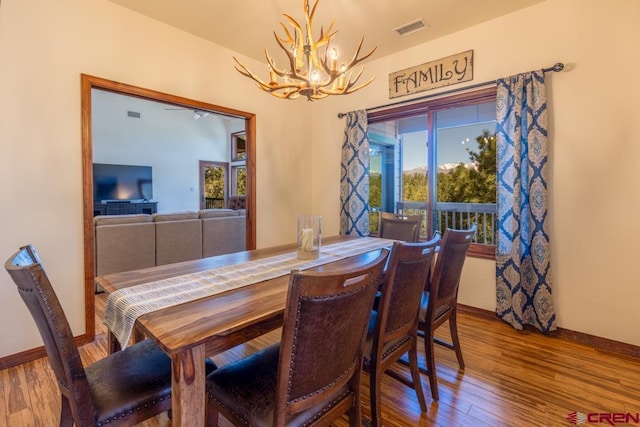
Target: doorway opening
pixel 91 82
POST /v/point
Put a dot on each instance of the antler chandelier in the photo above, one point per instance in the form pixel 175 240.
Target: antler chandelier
pixel 311 72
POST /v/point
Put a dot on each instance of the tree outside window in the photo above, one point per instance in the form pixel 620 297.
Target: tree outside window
pixel 239 184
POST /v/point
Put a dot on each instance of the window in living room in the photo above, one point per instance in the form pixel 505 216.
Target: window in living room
pixel 437 158
pixel 238 146
pixel 213 178
pixel 239 180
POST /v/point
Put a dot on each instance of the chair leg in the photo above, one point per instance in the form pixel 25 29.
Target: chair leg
pixel 355 412
pixel 211 415
pixel 453 327
pixel 374 390
pixel 431 364
pixel 415 374
pixel 355 415
pixel 66 416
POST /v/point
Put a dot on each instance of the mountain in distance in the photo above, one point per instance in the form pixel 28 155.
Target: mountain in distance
pixel 419 170
pixel 443 168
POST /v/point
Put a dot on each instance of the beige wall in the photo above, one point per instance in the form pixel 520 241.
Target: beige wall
pixel 594 185
pixel 45 45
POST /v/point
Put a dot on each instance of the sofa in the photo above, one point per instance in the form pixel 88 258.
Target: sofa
pixel 130 242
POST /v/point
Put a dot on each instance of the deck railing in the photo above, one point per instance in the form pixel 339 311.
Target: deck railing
pixel 213 203
pixel 450 215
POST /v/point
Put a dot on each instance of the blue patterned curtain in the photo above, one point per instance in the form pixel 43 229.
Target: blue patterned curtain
pixel 354 176
pixel 523 287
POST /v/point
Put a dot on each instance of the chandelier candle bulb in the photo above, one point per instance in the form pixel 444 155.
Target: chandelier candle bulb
pixel 334 59
pixel 341 80
pixel 306 240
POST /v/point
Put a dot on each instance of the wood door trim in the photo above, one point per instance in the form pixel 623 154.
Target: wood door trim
pixel 89 82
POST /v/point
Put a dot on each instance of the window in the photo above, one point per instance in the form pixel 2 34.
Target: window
pixel 437 158
pixel 239 180
pixel 213 190
pixel 238 146
pixel 381 174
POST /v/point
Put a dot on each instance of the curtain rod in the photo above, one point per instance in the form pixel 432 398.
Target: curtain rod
pixel 559 66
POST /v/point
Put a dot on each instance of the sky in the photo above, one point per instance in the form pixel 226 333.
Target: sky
pixel 452 145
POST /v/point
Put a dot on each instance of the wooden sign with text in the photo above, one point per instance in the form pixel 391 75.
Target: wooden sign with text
pixel 447 71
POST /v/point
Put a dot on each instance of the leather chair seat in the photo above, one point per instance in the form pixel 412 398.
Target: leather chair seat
pixel 247 388
pixel 130 380
pixel 368 345
pixel 424 303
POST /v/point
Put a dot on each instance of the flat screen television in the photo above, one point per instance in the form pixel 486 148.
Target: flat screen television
pixel 122 182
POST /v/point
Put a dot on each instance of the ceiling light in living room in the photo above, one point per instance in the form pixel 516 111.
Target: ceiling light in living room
pixel 311 72
pixel 198 114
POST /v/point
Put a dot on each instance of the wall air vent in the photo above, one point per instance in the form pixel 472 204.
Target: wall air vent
pixel 410 27
pixel 134 114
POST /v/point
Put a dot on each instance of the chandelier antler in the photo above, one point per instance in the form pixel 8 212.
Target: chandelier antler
pixel 312 73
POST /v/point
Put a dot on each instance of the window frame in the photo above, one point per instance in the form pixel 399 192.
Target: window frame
pixel 202 167
pixel 233 189
pixel 239 146
pixel 432 105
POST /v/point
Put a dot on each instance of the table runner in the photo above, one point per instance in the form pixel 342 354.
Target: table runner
pixel 124 306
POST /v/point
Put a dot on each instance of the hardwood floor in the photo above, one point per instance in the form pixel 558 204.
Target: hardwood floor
pixel 511 379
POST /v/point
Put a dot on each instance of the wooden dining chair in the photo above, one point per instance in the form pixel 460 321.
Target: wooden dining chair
pixel 393 326
pixel 439 301
pixel 399 227
pixel 122 389
pixel 313 376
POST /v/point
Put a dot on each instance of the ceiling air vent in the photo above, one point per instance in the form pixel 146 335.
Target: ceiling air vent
pixel 410 27
pixel 134 114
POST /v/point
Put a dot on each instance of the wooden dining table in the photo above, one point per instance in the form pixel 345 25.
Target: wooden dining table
pixel 190 331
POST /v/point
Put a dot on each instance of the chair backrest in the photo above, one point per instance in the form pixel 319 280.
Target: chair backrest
pixel 400 227
pixel 448 267
pixel 324 328
pixel 407 270
pixel 34 287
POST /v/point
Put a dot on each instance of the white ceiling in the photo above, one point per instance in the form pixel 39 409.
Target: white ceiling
pixel 247 26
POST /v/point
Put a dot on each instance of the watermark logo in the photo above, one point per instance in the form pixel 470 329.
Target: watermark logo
pixel 609 418
pixel 577 418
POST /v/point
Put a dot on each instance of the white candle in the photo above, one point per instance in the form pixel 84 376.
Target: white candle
pixel 306 239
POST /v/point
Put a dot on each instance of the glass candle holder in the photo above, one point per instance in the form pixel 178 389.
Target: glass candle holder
pixel 309 236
